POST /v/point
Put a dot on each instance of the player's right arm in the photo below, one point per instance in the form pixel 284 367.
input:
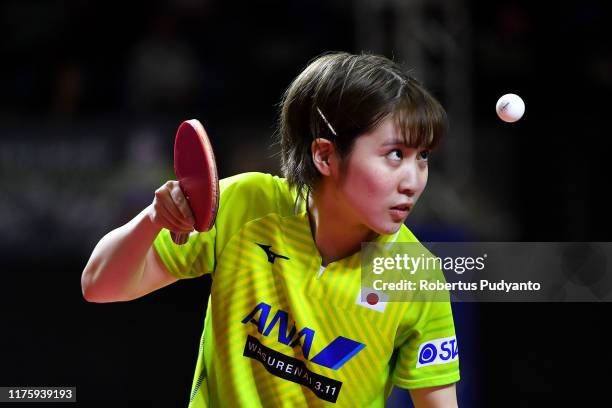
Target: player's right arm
pixel 124 265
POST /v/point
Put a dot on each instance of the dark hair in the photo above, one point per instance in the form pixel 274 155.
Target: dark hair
pixel 353 94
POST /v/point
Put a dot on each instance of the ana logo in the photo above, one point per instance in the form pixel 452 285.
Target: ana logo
pixel 334 355
pixel 271 255
pixel 438 351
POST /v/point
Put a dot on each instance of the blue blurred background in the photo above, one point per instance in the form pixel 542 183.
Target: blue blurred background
pixel 92 93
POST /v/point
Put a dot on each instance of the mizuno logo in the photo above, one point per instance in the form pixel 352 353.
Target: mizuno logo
pixel 333 356
pixel 271 255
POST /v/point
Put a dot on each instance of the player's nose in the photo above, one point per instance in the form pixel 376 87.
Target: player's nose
pixel 409 179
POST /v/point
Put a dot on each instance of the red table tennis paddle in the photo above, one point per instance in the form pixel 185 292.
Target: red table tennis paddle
pixel 196 172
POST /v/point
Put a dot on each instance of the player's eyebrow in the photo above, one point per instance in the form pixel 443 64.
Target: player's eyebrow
pixel 393 142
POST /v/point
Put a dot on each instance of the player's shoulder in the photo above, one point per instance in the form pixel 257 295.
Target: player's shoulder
pixel 268 192
pixel 253 180
pixel 257 184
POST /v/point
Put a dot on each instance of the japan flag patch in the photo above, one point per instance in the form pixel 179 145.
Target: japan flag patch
pixel 372 299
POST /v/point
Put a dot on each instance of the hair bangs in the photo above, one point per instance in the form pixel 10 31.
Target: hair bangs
pixel 421 120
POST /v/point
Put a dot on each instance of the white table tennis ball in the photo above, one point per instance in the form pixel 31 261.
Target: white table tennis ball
pixel 510 108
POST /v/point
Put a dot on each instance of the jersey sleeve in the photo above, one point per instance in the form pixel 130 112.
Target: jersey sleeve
pixel 427 354
pixel 242 198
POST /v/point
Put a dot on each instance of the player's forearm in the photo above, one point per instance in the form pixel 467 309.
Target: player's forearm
pixel 116 265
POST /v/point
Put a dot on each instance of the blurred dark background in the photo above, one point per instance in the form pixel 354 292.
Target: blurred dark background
pixel 92 93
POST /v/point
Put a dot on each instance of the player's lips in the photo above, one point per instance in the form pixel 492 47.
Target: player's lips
pixel 400 211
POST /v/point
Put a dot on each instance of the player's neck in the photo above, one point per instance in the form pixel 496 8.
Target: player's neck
pixel 336 236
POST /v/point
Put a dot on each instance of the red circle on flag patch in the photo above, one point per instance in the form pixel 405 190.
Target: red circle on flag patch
pixel 372 298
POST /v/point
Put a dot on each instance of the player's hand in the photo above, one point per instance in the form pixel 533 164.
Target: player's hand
pixel 170 209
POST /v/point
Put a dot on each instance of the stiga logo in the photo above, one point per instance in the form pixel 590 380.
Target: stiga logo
pixel 438 351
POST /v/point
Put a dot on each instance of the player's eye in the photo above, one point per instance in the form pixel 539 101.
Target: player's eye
pixel 424 155
pixel 395 154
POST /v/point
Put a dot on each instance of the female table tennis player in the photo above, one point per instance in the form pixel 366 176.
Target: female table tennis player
pixel 285 325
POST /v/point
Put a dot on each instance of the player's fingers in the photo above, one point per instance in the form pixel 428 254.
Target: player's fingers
pixel 160 216
pixel 174 214
pixel 170 222
pixel 173 199
pixel 181 203
pixel 163 199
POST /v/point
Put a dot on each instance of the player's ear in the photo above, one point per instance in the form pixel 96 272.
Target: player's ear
pixel 323 155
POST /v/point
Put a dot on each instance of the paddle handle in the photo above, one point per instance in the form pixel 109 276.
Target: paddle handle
pixel 179 238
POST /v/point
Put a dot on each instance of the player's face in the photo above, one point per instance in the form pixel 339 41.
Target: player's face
pixel 383 179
